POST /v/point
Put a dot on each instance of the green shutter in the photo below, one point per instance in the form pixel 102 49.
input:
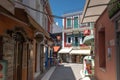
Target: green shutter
pixel 75 22
pixel 68 22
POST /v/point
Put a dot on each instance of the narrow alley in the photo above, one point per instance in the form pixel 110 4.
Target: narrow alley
pixel 59 39
pixel 65 71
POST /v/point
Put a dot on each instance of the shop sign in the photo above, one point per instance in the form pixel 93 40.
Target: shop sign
pixel 113 7
pixel 88 64
pixel 3 69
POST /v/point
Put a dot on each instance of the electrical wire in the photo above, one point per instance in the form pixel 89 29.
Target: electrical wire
pixel 38 10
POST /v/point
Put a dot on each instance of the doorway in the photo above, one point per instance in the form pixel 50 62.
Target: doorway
pixel 76 41
pixel 19 60
pixel 18 56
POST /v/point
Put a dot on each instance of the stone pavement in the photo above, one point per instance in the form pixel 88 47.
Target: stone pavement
pixel 49 73
pixel 65 71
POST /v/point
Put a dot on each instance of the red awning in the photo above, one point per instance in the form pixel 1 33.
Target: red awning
pixel 56 48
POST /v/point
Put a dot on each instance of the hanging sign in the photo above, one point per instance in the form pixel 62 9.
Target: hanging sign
pixel 3 69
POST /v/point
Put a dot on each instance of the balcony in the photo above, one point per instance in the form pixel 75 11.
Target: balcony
pixel 76 29
pixel 76 44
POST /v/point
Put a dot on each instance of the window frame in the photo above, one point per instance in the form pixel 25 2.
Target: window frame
pixel 74 21
pixel 68 39
pixel 67 22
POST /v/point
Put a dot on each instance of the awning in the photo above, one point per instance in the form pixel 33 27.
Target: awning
pixel 80 52
pixel 93 9
pixel 56 48
pixel 88 38
pixel 65 50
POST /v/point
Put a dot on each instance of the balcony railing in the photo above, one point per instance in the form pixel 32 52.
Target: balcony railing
pixel 76 44
pixel 76 29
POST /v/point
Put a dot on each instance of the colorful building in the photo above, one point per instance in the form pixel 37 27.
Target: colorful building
pixel 57 33
pixel 107 23
pixel 73 48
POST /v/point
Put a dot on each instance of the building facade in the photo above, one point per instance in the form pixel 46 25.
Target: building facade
pixel 107 25
pixel 105 53
pixel 57 33
pixel 73 35
pixel 24 39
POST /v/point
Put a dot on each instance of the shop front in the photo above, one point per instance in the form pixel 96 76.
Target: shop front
pixel 16 39
pixel 78 55
pixel 64 54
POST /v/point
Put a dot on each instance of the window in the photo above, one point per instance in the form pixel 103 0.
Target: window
pixel 92 25
pixel 45 23
pixel 69 23
pixel 76 39
pixel 75 22
pixel 69 39
pixel 81 40
pixel 83 25
pixel 102 54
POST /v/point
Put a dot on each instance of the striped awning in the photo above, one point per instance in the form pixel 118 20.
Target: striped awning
pixel 93 9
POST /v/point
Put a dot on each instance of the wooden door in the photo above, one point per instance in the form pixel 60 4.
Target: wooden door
pixel 19 61
pixel 18 56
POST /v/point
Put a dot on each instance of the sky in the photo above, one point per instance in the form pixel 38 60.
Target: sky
pixel 59 7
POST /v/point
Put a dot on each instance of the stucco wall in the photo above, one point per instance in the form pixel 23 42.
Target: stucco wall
pixel 109 73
